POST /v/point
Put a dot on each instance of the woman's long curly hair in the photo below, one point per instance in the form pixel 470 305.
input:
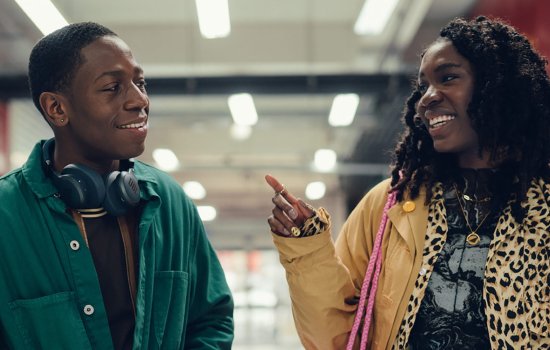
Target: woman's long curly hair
pixel 509 110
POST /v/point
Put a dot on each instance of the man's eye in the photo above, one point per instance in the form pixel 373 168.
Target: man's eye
pixel 112 88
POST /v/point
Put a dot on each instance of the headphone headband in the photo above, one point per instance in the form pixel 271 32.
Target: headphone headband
pixel 81 187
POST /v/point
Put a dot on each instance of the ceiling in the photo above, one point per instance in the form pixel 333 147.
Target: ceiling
pixel 293 56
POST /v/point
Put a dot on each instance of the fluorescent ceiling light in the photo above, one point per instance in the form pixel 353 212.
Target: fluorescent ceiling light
pixel 242 109
pixel 213 18
pixel 240 132
pixel 374 16
pixel 343 109
pixel 194 189
pixel 325 159
pixel 315 190
pixel 166 159
pixel 207 212
pixel 43 14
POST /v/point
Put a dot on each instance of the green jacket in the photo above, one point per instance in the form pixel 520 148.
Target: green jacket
pixel 183 300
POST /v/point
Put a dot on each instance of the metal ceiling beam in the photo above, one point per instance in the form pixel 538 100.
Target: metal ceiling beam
pixel 17 86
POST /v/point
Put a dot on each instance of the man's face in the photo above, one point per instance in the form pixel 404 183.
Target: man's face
pixel 107 105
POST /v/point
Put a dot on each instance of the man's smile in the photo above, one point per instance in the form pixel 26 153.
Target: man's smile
pixel 133 125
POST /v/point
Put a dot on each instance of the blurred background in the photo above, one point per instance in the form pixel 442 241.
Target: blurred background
pixel 307 90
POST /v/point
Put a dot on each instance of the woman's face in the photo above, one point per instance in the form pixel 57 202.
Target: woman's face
pixel 446 81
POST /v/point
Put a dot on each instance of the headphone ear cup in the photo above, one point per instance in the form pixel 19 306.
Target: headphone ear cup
pixel 129 188
pixel 72 193
pixel 80 187
pixel 122 192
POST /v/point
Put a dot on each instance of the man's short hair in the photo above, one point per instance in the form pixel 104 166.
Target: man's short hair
pixel 56 57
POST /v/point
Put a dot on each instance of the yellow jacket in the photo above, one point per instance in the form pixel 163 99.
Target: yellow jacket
pixel 322 275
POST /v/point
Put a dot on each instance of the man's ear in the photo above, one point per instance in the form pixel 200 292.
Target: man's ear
pixel 53 107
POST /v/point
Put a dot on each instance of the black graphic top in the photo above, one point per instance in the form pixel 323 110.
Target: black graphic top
pixel 451 315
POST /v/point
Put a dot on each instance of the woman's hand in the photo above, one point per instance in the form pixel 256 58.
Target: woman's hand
pixel 289 213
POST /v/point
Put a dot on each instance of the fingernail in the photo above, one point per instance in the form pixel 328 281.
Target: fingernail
pixel 293 214
pixel 286 232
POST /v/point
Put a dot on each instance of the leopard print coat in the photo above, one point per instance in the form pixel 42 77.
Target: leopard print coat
pixel 516 290
pixel 517 280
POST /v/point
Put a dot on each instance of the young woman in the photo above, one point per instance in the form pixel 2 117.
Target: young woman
pixel 465 256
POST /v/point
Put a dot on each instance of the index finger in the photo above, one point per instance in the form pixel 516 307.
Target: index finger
pixel 274 183
pixel 278 187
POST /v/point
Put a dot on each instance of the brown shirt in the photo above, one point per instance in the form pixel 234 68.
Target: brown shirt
pixel 106 237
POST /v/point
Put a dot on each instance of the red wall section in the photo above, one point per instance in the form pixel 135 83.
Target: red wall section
pixel 531 17
pixel 4 138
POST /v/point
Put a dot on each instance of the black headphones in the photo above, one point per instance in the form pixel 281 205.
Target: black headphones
pixel 81 187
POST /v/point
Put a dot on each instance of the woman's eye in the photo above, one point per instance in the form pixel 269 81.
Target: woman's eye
pixel 447 78
pixel 141 85
pixel 421 87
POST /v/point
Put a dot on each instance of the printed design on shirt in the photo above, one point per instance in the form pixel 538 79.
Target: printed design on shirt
pixel 451 314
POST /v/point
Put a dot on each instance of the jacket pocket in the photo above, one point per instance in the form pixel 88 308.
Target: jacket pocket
pixel 170 308
pixel 50 322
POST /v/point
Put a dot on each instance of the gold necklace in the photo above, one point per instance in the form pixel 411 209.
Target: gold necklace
pixel 473 238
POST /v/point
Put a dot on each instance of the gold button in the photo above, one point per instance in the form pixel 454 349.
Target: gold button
pixel 408 206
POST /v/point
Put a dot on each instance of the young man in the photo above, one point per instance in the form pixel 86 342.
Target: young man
pixel 96 252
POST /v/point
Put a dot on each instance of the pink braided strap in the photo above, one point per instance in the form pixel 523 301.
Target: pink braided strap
pixel 375 263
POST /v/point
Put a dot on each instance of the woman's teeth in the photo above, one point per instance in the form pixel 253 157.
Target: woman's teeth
pixel 440 121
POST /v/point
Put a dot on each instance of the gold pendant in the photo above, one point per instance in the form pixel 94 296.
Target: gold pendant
pixel 473 239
